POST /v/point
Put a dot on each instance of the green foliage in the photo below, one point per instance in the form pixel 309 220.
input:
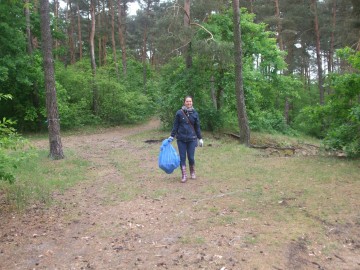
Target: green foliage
pixel 269 121
pixel 20 73
pixel 343 107
pixel 345 137
pixel 119 102
pixel 213 58
pixel 310 121
pixel 338 121
pixel 11 145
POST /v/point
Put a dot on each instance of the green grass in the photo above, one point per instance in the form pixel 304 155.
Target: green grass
pixel 38 177
pixel 237 188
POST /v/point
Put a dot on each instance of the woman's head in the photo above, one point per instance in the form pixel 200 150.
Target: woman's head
pixel 188 102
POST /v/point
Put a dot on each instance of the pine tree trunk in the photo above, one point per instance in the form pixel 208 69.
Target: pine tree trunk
pixel 99 39
pixel 56 151
pixel 56 15
pixel 239 88
pixel 252 6
pixel 28 28
pixel 188 56
pixel 35 86
pixel 332 39
pixel 212 90
pixel 71 32
pixel 318 53
pixel 121 29
pixel 144 57
pixel 92 57
pixel 279 25
pixel 113 42
pixel 79 32
pixel 104 34
pixel 281 46
pixel 356 16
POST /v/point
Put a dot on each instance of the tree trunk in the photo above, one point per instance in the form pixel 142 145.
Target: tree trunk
pixel 356 16
pixel 104 34
pixel 56 16
pixel 100 51
pixel 121 29
pixel 332 39
pixel 281 46
pixel 252 6
pixel 212 89
pixel 35 86
pixel 71 32
pixel 318 53
pixel 99 29
pixel 92 57
pixel 279 25
pixel 79 32
pixel 239 88
pixel 28 28
pixel 188 56
pixel 113 42
pixel 56 151
pixel 144 57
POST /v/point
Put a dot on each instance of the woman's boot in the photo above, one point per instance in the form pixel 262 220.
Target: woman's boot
pixel 192 172
pixel 183 172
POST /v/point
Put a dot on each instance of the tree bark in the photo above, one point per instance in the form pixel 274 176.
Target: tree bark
pixel 113 42
pixel 79 32
pixel 332 39
pixel 92 57
pixel 188 56
pixel 28 28
pixel 56 15
pixel 144 57
pixel 99 29
pixel 356 16
pixel 71 32
pixel 30 49
pixel 56 151
pixel 318 53
pixel 239 88
pixel 279 25
pixel 281 46
pixel 104 34
pixel 121 30
pixel 213 94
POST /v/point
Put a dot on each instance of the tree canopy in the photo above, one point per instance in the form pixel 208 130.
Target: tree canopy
pixel 140 68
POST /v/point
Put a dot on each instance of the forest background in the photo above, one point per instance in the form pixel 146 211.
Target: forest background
pixel 301 65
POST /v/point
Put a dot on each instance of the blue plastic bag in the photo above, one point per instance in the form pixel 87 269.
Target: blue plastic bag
pixel 169 159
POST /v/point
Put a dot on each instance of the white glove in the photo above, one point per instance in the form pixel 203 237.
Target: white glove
pixel 170 139
pixel 201 143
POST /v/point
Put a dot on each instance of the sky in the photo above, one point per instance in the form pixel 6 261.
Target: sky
pixel 133 7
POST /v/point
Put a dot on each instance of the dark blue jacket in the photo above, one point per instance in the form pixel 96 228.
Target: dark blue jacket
pixel 183 130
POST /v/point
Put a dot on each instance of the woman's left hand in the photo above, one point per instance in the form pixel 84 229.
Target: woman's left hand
pixel 201 143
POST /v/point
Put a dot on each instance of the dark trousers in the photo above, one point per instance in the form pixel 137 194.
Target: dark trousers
pixel 187 148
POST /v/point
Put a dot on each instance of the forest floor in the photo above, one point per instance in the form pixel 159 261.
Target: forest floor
pixel 130 215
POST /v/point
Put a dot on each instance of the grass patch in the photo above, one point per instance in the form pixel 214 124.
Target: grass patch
pixel 38 177
pixel 192 240
pixel 244 196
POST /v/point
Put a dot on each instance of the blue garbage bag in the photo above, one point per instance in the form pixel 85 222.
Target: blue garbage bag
pixel 169 159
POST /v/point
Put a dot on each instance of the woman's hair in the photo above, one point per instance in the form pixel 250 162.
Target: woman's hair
pixel 187 97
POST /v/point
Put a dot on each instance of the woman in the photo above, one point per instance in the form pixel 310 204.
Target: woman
pixel 186 128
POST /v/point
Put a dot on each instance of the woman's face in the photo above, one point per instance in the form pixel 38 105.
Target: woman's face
pixel 188 102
